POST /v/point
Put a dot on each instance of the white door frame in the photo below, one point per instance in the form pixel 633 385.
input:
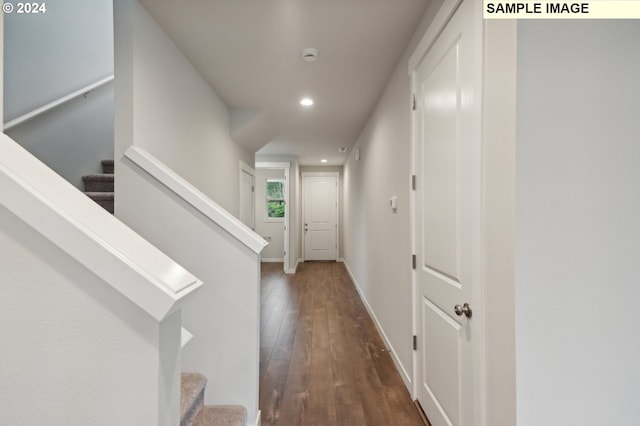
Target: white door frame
pixel 446 11
pixel 321 174
pixel 286 166
pixel 245 168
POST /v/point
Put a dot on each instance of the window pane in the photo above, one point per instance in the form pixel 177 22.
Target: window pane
pixel 275 209
pixel 275 189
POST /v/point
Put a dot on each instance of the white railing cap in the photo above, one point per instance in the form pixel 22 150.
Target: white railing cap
pixel 193 196
pixel 88 233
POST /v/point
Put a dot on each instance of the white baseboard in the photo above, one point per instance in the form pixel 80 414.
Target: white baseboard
pixel 341 260
pixel 258 419
pixel 406 378
pixel 295 267
pixel 272 259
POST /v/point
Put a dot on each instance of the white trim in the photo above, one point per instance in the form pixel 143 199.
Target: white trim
pixel 413 224
pixel 338 190
pixel 272 259
pixel 273 219
pixel 245 168
pixel 286 166
pixel 295 268
pixel 258 419
pixel 185 337
pixel 406 377
pixel 89 234
pixel 51 105
pixel 195 198
pixel 446 11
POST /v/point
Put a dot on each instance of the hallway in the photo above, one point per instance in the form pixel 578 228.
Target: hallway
pixel 322 361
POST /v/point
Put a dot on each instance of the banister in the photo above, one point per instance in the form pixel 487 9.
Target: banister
pixel 88 233
pixel 51 105
pixel 195 198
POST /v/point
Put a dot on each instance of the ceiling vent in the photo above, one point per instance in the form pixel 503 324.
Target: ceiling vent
pixel 310 54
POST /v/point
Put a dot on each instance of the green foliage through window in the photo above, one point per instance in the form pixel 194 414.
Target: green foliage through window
pixel 275 198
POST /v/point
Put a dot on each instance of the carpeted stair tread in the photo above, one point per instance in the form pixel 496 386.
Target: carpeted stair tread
pixel 191 397
pixel 100 186
pixel 100 196
pixel 104 199
pixel 107 166
pixel 98 182
pixel 221 415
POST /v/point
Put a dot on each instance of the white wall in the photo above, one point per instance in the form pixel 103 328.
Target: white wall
pixel 178 117
pixel 74 350
pixel 48 56
pixel 577 228
pixel 272 231
pixel 377 243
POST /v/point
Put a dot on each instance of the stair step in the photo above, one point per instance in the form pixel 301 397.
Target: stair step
pixel 107 166
pixel 221 415
pixel 104 199
pixel 191 397
pixel 98 183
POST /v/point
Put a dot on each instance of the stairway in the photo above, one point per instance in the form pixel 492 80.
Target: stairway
pixel 99 187
pixel 193 412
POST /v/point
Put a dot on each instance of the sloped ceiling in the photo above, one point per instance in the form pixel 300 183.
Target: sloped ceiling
pixel 250 53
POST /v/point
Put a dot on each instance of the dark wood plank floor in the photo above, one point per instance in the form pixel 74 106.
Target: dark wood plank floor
pixel 322 361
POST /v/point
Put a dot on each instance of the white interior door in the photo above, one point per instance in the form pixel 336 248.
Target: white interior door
pixel 447 217
pixel 247 197
pixel 320 217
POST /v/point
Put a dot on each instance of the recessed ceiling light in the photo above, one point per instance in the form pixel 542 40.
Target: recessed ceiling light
pixel 306 102
pixel 324 160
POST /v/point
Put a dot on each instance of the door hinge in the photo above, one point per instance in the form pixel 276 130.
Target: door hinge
pixel 413 182
pixel 415 342
pixel 413 261
pixel 284 253
pixel 413 102
pixel 253 189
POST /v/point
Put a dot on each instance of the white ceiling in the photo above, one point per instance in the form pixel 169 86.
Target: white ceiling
pixel 250 53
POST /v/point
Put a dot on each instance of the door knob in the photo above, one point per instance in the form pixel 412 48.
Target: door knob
pixel 464 309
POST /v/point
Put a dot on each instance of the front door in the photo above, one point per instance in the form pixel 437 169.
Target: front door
pixel 447 161
pixel 320 219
